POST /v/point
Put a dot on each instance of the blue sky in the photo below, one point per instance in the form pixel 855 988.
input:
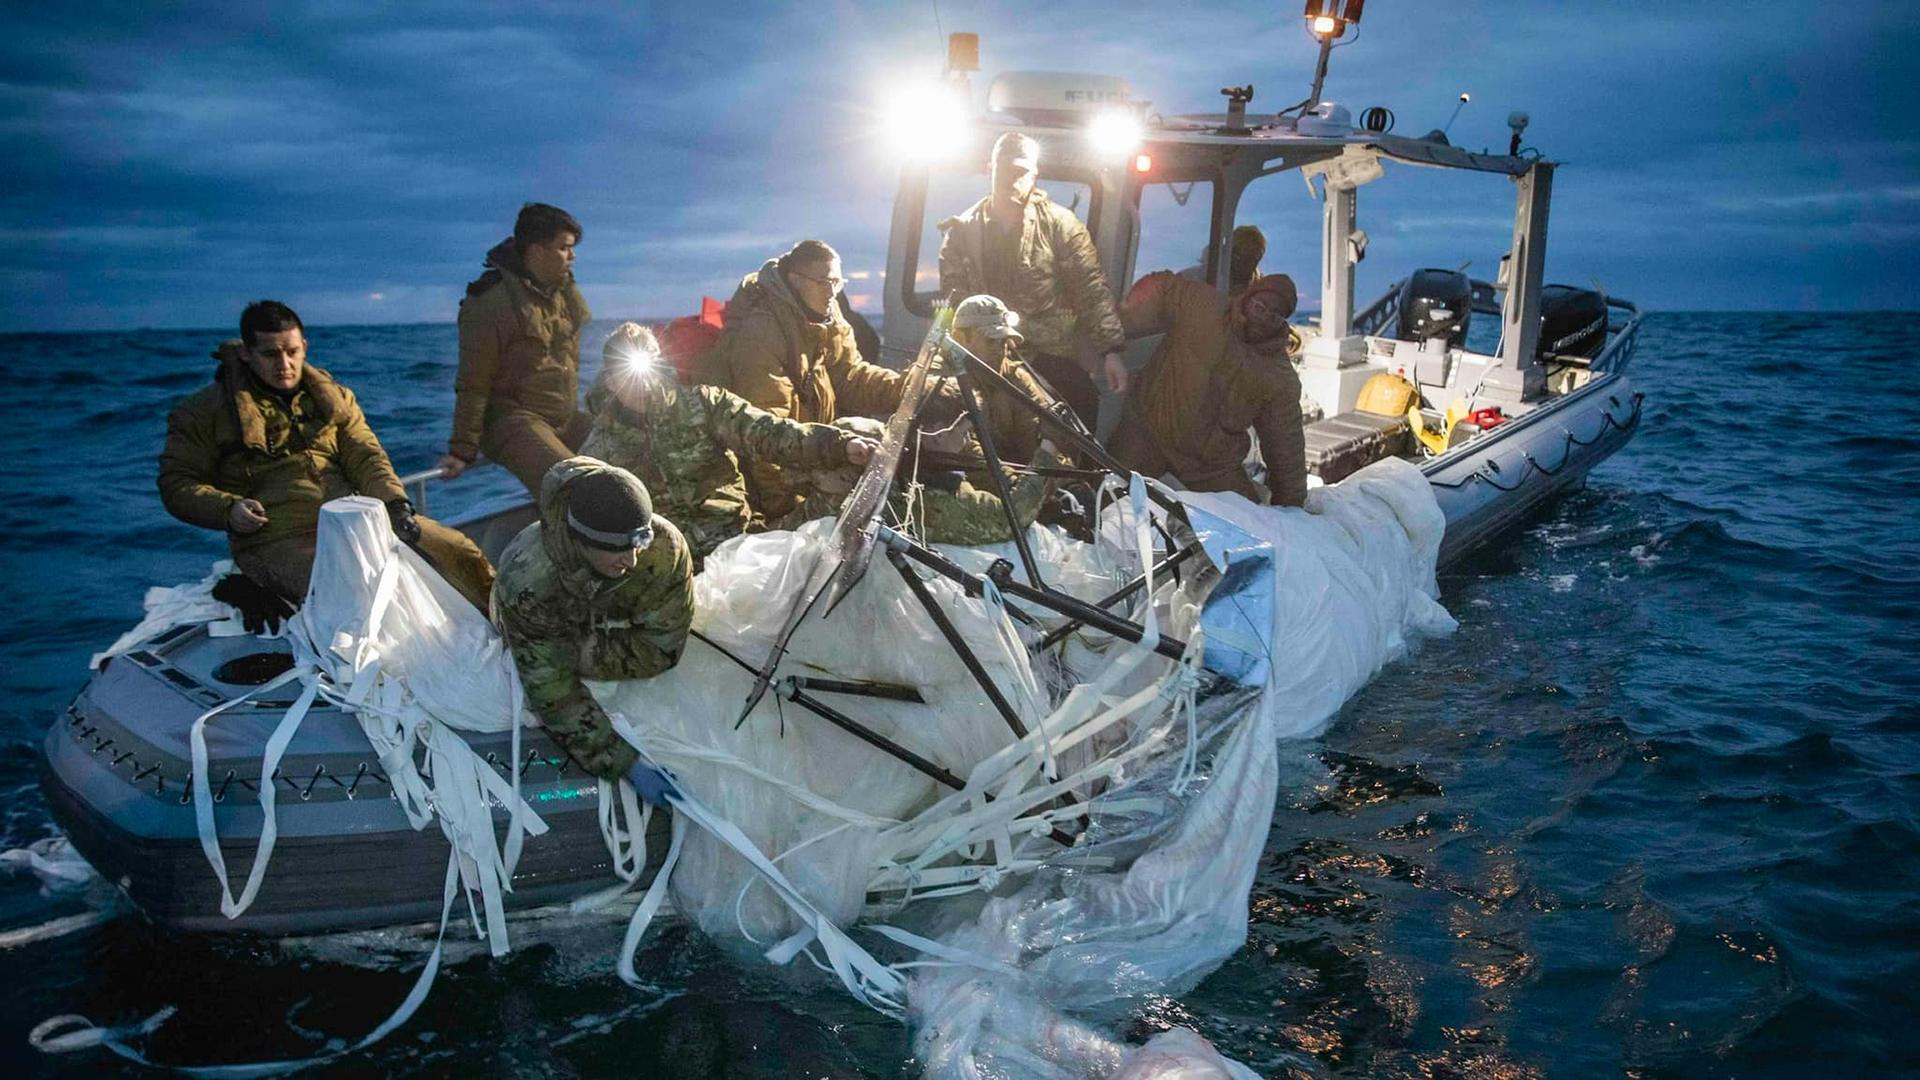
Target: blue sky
pixel 165 164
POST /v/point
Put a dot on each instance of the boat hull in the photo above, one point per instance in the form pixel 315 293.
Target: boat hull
pixel 1502 477
pixel 116 776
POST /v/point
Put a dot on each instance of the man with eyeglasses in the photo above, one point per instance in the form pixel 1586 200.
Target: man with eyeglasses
pixel 1221 369
pixel 787 349
pixel 600 587
pixel 515 396
pixel 1018 245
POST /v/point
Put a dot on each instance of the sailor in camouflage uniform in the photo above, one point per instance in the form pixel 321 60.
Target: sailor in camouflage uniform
pixel 990 330
pixel 687 443
pixel 957 507
pixel 599 588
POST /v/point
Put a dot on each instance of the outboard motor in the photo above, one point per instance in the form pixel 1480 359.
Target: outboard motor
pixel 1435 303
pixel 1573 322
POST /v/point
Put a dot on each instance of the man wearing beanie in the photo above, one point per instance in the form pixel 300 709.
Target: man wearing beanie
pixel 599 588
pixel 1221 369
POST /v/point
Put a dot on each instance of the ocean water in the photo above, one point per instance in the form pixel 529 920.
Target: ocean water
pixel 1653 811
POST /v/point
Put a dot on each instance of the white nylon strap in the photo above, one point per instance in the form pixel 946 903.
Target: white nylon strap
pixel 269 766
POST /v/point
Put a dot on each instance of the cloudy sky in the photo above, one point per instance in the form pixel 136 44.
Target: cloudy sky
pixel 166 163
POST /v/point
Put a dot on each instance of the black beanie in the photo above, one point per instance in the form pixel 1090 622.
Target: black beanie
pixel 608 506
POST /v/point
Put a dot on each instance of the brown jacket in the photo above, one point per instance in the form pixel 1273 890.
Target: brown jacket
pixel 793 365
pixel 1056 283
pixel 519 351
pixel 1205 386
pixel 236 439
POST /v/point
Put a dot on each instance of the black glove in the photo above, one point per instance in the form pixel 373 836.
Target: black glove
pixel 405 526
pixel 261 609
pixel 1064 509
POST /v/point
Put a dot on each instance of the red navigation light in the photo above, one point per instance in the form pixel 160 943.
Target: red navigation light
pixel 1142 163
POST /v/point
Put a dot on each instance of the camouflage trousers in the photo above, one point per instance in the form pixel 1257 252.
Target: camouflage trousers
pixel 820 492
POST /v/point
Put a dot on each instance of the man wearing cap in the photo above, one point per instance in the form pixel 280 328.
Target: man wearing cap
pixel 1016 244
pixel 1221 369
pixel 686 442
pixel 257 451
pixel 945 494
pixel 990 330
pixel 599 588
pixel 787 350
pixel 515 394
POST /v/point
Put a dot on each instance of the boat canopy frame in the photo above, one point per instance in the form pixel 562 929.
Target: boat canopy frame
pixel 1194 148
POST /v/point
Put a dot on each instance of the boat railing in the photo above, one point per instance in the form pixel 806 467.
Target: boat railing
pixel 1618 353
pixel 415 484
pixel 1379 314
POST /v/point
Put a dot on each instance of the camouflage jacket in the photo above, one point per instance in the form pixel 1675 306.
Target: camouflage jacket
pixel 973 514
pixel 519 350
pixel 236 439
pixel 686 444
pixel 1056 283
pixel 778 357
pixel 565 623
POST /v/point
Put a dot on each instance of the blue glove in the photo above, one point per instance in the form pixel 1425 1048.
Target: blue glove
pixel 651 784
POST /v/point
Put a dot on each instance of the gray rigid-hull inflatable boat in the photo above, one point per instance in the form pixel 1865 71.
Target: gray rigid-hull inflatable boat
pixel 116 774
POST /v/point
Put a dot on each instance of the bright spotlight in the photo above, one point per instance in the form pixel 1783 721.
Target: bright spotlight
pixel 926 121
pixel 1325 24
pixel 1114 133
pixel 636 361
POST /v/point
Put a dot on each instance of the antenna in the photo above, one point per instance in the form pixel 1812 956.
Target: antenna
pixel 1464 98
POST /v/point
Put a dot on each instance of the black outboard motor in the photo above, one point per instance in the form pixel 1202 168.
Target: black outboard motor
pixel 1435 303
pixel 1573 322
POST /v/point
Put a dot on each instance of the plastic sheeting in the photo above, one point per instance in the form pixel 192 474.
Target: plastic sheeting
pixel 1176 765
pixel 1338 590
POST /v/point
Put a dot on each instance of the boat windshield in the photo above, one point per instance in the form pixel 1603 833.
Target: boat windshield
pixel 1176 225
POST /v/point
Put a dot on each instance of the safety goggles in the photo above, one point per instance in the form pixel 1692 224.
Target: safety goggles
pixel 635 540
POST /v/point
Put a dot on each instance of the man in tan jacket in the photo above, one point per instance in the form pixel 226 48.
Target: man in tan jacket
pixel 515 396
pixel 788 350
pixel 257 451
pixel 1221 369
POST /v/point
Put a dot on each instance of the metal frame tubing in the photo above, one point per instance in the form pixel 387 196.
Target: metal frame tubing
pixel 1165 565
pixel 1002 576
pixel 1075 440
pixel 957 643
pixel 983 431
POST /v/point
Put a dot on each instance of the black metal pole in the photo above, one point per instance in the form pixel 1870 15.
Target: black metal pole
pixel 970 400
pixel 958 643
pixel 872 738
pixel 1071 437
pixel 1171 648
pixel 859 731
pixel 886 691
pixel 1053 636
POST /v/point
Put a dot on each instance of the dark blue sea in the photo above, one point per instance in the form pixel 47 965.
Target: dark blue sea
pixel 1653 811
